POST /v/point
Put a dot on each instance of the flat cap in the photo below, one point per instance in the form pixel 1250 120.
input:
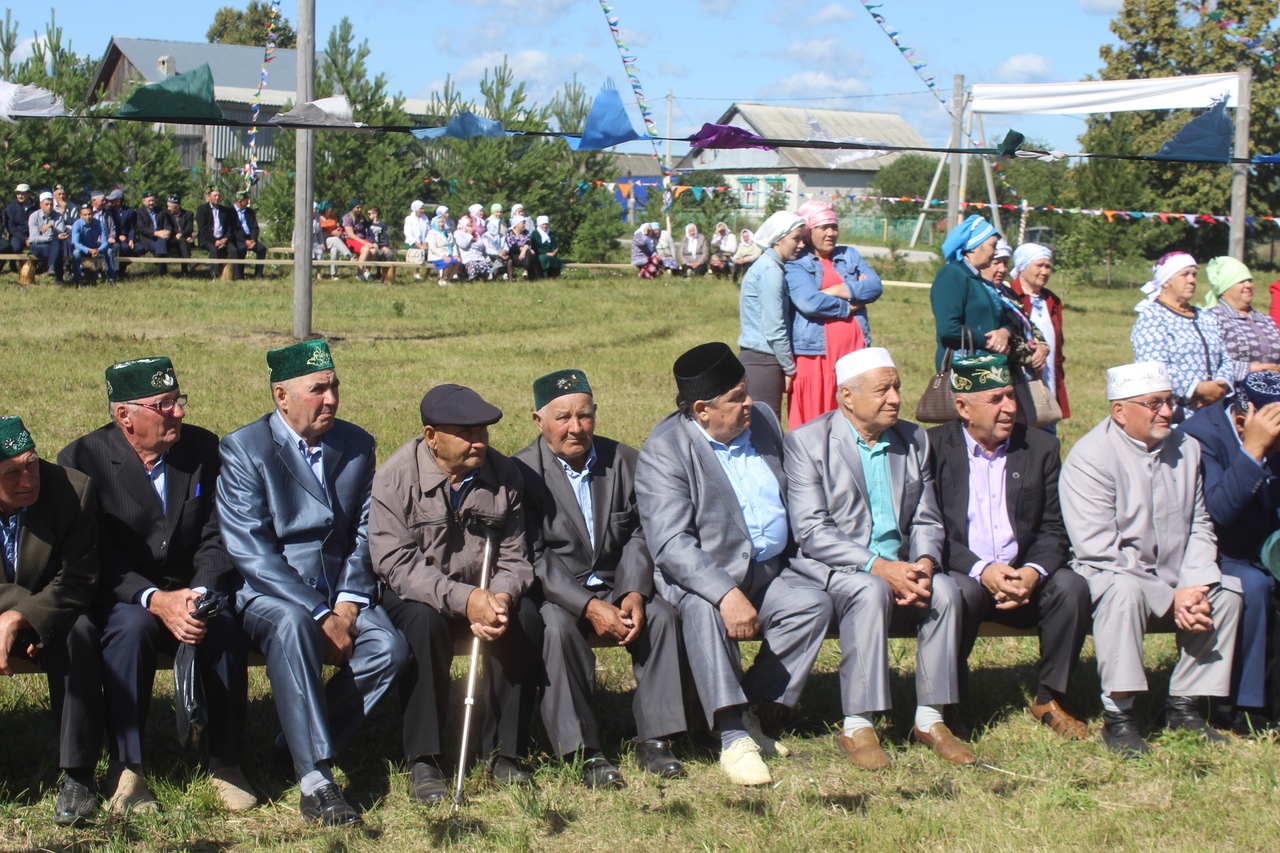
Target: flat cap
pixel 457 405
pixel 115 195
pixel 22 188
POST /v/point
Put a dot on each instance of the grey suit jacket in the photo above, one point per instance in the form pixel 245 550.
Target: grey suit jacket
pixel 282 530
pixel 828 505
pixel 692 520
pixel 563 558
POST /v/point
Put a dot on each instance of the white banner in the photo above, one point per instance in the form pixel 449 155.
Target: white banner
pixel 1105 96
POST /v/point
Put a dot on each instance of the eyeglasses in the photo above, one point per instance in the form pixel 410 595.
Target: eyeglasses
pixel 166 407
pixel 1154 406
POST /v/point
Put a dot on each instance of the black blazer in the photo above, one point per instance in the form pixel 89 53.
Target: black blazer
pixel 1031 493
pixel 559 544
pixel 237 233
pixel 142 224
pixel 57 563
pixel 204 223
pixel 182 221
pixel 139 546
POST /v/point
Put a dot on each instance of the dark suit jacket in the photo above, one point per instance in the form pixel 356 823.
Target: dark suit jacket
pixel 1031 493
pixel 139 546
pixel 126 224
pixel 237 232
pixel 143 223
pixel 183 222
pixel 1242 496
pixel 204 223
pixel 57 557
pixel 558 540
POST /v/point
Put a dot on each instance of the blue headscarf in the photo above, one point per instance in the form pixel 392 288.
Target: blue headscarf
pixel 966 237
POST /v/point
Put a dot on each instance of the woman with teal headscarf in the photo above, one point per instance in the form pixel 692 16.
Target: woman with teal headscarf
pixel 1247 335
pixel 968 315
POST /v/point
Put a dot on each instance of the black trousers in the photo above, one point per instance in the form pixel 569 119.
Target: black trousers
pixel 131 639
pixel 511 669
pixel 182 249
pixel 1060 607
pixel 73 665
pixel 242 251
pixel 215 254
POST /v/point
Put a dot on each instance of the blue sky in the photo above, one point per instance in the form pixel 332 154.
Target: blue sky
pixel 820 53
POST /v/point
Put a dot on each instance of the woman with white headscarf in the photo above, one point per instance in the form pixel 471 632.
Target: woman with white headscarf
pixel 967 312
pixel 441 253
pixel 416 229
pixel 764 310
pixel 1032 264
pixel 644 253
pixel 469 238
pixel 1183 338
pixel 520 253
pixel 745 255
pixel 544 243
pixel 693 253
pixel 723 245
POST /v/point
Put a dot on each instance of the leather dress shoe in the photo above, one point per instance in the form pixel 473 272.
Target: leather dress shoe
pixel 427 784
pixel 1057 718
pixel 948 747
pixel 863 749
pixel 600 772
pixel 506 772
pixel 327 806
pixel 654 756
pixel 1181 713
pixel 1120 734
pixel 76 801
pixel 1247 722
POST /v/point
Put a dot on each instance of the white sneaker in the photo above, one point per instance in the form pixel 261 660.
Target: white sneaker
pixel 768 745
pixel 417 276
pixel 333 278
pixel 129 792
pixel 741 762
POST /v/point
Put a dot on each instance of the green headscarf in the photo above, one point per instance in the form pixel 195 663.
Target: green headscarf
pixel 1224 274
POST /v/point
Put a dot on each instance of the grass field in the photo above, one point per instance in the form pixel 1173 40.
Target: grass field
pixel 393 343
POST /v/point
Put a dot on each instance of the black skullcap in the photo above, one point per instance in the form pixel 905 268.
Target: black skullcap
pixel 457 405
pixel 707 371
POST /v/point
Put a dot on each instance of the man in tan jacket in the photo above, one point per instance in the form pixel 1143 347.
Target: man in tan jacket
pixel 434 501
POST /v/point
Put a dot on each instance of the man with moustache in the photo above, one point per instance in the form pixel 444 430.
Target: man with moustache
pixel 590 555
pixel 293 505
pixel 434 503
pixel 1006 546
pixel 1132 495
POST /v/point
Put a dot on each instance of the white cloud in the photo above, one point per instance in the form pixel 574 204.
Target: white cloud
pixel 1026 68
pixel 634 38
pixel 814 84
pixel 1101 7
pixel 716 7
pixel 833 13
pixel 670 69
pixel 830 52
pixel 544 8
pixel 798 14
pixel 541 73
pixel 25 49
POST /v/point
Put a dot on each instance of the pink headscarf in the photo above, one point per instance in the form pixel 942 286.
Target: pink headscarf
pixel 815 213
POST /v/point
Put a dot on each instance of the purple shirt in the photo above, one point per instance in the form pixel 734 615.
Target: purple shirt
pixel 991 534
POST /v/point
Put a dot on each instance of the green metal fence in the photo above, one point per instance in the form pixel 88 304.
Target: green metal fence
pixel 881 228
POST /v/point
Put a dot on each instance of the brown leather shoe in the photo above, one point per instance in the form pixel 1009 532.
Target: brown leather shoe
pixel 940 739
pixel 863 749
pixel 1056 717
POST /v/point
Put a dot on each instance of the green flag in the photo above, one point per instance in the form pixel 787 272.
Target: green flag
pixel 182 96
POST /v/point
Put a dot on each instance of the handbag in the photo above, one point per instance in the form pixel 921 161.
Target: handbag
pixel 416 256
pixel 1036 406
pixel 937 404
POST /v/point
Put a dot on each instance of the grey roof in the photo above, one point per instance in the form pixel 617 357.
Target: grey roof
pixel 637 165
pixel 774 122
pixel 233 65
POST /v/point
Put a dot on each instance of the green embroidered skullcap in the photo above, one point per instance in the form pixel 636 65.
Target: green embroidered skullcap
pixel 558 384
pixel 141 377
pixel 975 373
pixel 299 359
pixel 14 438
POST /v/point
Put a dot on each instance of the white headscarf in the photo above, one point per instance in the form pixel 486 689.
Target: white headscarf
pixel 476 211
pixel 416 206
pixel 1026 255
pixel 1164 269
pixel 544 224
pixel 1003 249
pixel 776 227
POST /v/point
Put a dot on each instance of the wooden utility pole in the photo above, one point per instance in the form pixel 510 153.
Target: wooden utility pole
pixel 1240 171
pixel 991 181
pixel 303 188
pixel 957 134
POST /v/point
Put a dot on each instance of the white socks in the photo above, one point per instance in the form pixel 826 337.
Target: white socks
pixel 928 716
pixel 1117 703
pixel 853 722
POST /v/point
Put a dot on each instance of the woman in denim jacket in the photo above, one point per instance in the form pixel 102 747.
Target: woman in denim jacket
pixel 765 311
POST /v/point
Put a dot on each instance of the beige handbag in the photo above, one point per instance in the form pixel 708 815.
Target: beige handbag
pixel 1036 406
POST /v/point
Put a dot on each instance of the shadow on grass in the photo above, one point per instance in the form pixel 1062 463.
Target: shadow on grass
pixel 851 803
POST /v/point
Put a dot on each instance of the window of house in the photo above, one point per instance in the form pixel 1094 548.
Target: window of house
pixel 747 195
pixel 776 185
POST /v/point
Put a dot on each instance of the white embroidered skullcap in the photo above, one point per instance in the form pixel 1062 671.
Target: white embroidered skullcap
pixel 862 361
pixel 1133 380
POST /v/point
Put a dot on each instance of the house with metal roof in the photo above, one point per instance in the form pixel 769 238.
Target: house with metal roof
pixel 236 70
pixel 801 173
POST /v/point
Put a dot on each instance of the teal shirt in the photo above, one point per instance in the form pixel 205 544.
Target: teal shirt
pixel 886 541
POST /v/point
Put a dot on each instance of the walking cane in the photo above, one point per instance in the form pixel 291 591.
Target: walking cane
pixel 486 569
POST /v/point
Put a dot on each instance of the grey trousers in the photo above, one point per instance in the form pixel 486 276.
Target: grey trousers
pixel 567 712
pixel 793 622
pixel 866 614
pixel 1122 616
pixel 319 719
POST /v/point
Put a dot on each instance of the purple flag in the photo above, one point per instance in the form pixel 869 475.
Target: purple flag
pixel 727 136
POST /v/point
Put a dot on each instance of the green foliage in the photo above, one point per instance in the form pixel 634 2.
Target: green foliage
pixel 249 26
pixel 600 227
pixel 704 212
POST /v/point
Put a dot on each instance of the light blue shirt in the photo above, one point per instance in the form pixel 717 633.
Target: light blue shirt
pixel 757 491
pixel 886 541
pixel 156 476
pixel 10 534
pixel 580 482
